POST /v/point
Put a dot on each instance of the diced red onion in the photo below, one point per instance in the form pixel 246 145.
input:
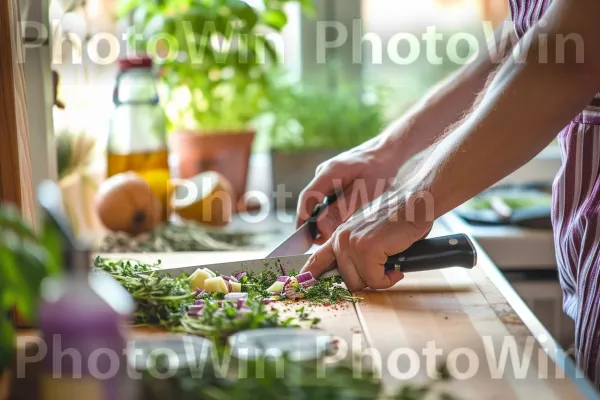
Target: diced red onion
pixel 240 275
pixel 228 278
pixel 241 303
pixel 304 277
pixel 229 289
pixel 306 280
pixel 271 299
pixel 283 278
pixel 236 296
pixel 194 314
pixel 195 309
pixel 200 302
pixel 308 284
pixel 289 283
pixel 290 289
pixel 199 292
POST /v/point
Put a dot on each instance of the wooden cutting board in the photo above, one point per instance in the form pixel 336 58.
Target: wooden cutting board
pixel 467 317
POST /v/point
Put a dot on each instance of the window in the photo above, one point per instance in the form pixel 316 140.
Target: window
pixel 402 26
pixel 85 86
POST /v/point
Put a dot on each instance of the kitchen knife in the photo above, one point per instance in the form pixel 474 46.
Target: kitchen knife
pixel 424 255
pixel 302 240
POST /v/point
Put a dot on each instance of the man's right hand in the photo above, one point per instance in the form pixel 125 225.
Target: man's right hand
pixel 362 173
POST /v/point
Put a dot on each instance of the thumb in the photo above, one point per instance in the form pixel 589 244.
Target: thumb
pixel 321 261
pixel 394 277
pixel 339 212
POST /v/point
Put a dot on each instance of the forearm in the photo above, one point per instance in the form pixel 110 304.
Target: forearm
pixel 448 102
pixel 523 109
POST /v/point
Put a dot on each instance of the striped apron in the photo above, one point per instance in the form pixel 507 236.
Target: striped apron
pixel 576 210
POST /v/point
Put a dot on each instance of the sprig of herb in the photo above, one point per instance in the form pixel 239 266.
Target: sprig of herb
pixel 162 300
pixel 220 320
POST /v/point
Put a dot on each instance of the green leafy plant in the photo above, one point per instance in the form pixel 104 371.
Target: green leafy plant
pixel 26 258
pixel 215 56
pixel 282 378
pixel 317 117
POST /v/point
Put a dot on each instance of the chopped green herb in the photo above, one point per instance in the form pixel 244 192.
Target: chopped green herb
pixel 164 301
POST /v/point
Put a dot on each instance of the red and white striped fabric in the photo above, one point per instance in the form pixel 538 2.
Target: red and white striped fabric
pixel 576 213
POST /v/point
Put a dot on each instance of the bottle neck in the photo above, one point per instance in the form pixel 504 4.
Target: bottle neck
pixel 135 86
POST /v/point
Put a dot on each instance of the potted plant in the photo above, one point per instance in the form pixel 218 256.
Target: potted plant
pixel 27 258
pixel 313 124
pixel 215 66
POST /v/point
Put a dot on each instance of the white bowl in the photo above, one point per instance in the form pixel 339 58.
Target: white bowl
pixel 297 343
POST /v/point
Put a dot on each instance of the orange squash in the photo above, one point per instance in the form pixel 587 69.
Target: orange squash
pixel 207 198
pixel 126 203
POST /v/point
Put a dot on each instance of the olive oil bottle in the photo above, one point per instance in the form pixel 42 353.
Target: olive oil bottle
pixel 137 138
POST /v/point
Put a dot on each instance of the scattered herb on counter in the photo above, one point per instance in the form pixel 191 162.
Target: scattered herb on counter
pixel 187 236
pixel 165 301
pixel 160 300
pixel 218 321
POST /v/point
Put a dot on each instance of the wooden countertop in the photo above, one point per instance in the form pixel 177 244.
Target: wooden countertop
pixel 468 317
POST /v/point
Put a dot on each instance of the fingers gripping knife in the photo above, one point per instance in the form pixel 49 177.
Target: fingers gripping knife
pixel 424 255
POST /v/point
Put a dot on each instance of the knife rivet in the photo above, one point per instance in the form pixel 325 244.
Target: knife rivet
pixel 453 242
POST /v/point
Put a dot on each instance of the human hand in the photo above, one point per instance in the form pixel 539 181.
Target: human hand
pixel 362 174
pixel 361 246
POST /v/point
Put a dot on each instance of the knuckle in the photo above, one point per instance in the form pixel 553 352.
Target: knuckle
pixel 374 283
pixel 360 244
pixel 343 236
pixel 355 241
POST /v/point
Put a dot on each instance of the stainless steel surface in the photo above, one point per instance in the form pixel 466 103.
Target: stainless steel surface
pixel 298 243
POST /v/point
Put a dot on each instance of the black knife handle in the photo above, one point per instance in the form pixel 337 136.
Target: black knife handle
pixel 312 221
pixel 436 253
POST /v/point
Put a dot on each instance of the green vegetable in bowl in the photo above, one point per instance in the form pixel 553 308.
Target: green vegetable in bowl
pixel 514 201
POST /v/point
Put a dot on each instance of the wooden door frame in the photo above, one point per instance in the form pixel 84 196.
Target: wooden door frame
pixel 15 162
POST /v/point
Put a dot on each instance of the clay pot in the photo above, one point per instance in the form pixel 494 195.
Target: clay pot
pixel 5 381
pixel 294 170
pixel 226 153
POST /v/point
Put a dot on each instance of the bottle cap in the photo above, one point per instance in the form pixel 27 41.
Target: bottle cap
pixel 135 62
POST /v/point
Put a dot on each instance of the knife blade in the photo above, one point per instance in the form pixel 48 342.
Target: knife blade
pixel 303 238
pixel 425 255
pixel 297 243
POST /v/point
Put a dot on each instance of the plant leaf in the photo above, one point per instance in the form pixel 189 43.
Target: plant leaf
pixel 276 19
pixel 7 344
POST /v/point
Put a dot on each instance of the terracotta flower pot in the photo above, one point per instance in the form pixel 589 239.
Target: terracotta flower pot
pixel 226 153
pixel 5 381
pixel 295 169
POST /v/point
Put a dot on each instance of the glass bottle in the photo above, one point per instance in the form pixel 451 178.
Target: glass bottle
pixel 83 318
pixel 137 136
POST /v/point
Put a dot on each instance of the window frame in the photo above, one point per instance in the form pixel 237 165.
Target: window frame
pixel 15 165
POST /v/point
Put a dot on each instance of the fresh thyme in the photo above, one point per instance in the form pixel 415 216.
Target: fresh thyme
pixel 163 301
